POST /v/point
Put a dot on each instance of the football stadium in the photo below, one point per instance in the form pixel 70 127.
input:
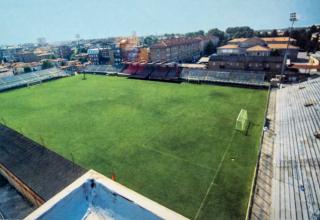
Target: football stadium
pixel 190 147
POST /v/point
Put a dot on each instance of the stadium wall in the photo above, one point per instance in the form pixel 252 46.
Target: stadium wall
pixel 256 168
pixel 27 192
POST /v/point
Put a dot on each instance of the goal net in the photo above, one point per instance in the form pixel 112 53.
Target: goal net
pixel 242 120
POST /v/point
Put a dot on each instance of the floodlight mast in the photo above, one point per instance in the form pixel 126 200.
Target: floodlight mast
pixel 293 18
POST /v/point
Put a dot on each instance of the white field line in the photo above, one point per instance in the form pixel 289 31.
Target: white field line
pixel 218 170
pixel 214 177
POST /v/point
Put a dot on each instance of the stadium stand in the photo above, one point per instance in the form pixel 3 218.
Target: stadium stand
pixel 101 69
pixel 39 169
pixel 240 78
pixel 155 71
pixel 130 69
pixel 160 72
pixel 174 73
pixel 143 71
pixel 31 78
pixel 296 170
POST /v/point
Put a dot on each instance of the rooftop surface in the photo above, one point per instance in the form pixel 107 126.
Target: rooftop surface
pixel 94 196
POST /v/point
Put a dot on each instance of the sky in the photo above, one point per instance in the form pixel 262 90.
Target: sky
pixel 24 21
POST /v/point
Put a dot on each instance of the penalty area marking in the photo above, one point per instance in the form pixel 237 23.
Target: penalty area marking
pixel 214 177
pixel 218 170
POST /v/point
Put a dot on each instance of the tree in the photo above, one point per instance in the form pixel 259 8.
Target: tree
pixel 169 36
pixel 83 60
pixel 286 33
pixel 274 33
pixel 46 65
pixel 313 29
pixel 195 34
pixel 209 48
pixel 237 32
pixel 53 57
pixel 275 53
pixel 27 69
pixel 150 40
pixel 216 32
pixel 82 50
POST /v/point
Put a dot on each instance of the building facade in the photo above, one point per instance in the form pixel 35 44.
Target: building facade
pixel 64 52
pixel 252 63
pixel 269 46
pixel 26 57
pixel 176 50
pixel 254 54
pixel 9 53
pixel 101 56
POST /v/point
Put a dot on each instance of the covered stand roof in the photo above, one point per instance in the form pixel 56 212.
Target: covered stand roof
pixel 41 169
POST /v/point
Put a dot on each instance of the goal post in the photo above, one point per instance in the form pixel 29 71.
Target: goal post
pixel 242 120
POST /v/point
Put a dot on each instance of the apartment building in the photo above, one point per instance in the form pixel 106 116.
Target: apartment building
pixel 176 50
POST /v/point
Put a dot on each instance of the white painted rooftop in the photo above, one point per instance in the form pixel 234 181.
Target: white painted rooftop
pixel 94 196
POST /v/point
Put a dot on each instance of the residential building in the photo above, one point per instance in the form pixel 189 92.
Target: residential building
pixel 269 46
pixel 64 52
pixel 143 54
pixel 129 48
pixel 45 56
pixel 26 57
pixel 93 55
pixel 117 54
pixel 250 63
pixel 176 50
pixel 254 54
pixel 106 56
pixel 206 39
pixel 101 56
pixel 9 53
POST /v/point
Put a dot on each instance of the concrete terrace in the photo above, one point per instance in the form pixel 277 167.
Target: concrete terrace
pixel 296 171
pixel 288 177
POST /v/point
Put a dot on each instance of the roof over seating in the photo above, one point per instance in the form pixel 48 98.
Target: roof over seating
pixel 104 69
pixel 42 170
pixel 231 77
pixel 10 82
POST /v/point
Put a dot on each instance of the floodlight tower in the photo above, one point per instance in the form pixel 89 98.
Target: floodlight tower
pixel 293 18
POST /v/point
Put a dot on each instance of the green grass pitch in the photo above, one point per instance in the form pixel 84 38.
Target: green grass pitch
pixel 174 143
